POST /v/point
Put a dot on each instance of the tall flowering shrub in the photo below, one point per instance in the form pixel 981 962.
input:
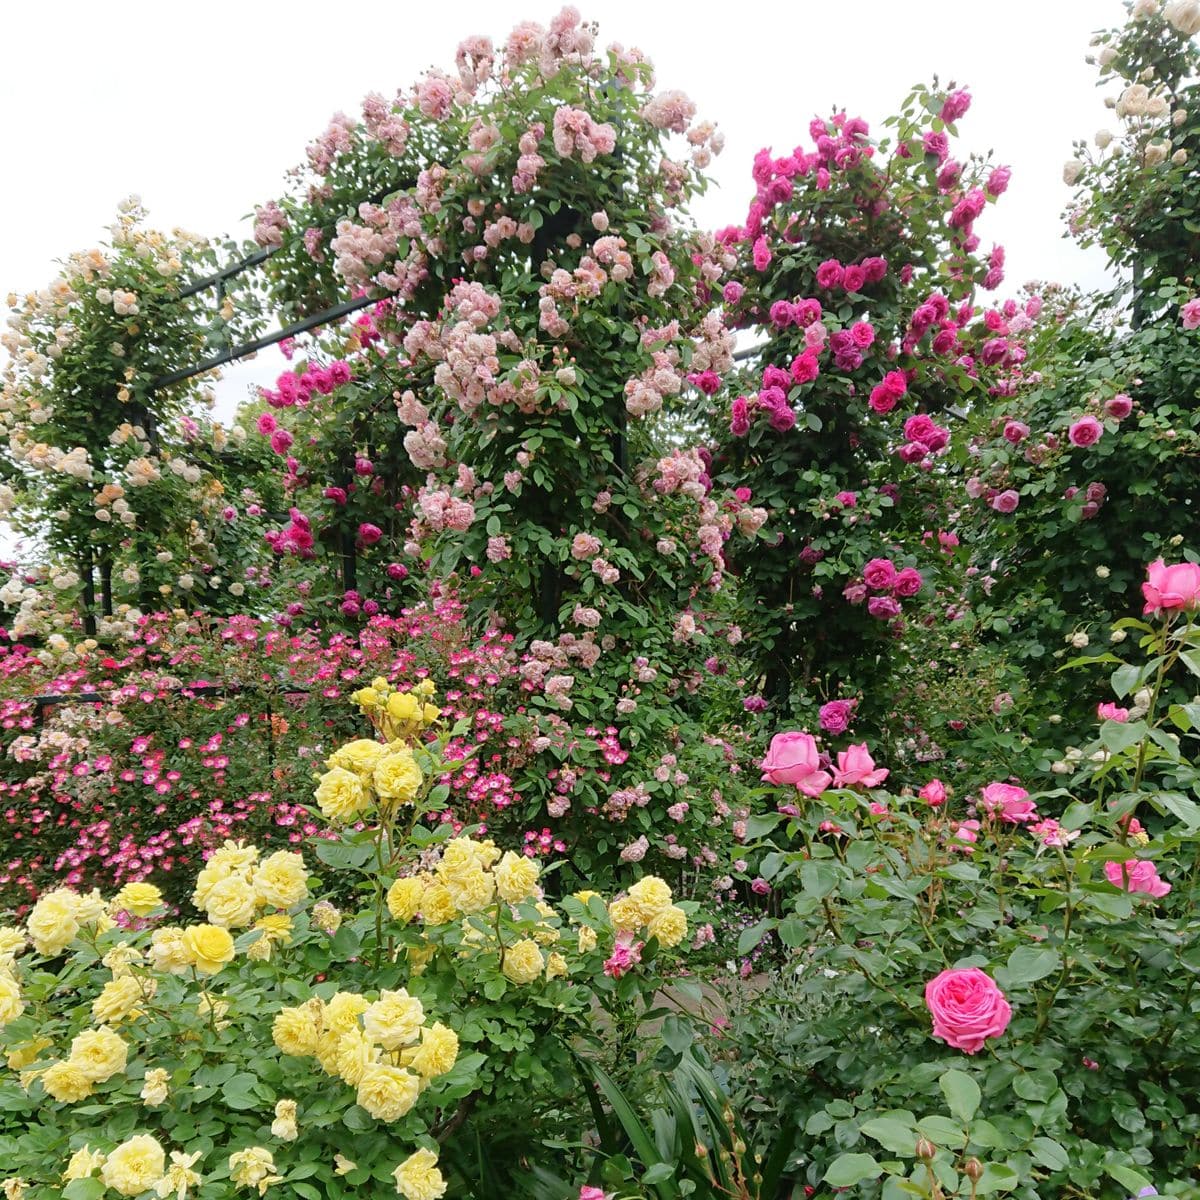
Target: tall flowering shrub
pixel 861 272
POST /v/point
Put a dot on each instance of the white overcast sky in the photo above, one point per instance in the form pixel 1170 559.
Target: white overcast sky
pixel 200 108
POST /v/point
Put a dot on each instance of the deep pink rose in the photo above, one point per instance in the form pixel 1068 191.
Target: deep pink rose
pixel 1085 432
pixel 1170 588
pixel 793 760
pixel 1112 712
pixel 967 1008
pixel 732 292
pixel 1015 431
pixel 829 273
pixel 835 716
pixel 854 278
pixel 933 793
pixel 856 767
pixel 879 574
pixel 1136 875
pixel 1118 407
pixel 883 607
pixel 1008 802
pixel 369 534
pixel 908 582
pixel 1006 501
pixel 592 1193
pixel 761 254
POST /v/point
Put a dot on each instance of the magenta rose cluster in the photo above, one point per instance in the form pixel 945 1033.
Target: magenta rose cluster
pixel 883 586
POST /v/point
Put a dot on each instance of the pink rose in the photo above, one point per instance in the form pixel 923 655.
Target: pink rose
pixel 626 954
pixel 933 793
pixel 592 1193
pixel 1118 407
pixel 883 608
pixel 908 582
pixel 964 837
pixel 1008 802
pixel 1085 432
pixel 1189 314
pixel 879 574
pixel 1136 875
pixel 967 1008
pixel 1168 588
pixel 1015 431
pixel 792 759
pixel 855 766
pixel 1112 712
pixel 1006 501
pixel 835 716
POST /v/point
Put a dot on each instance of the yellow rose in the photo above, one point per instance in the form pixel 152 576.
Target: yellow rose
pixel 584 896
pixel 342 1165
pixel 343 1010
pixel 626 915
pixel 425 688
pixel 19 1057
pixel 180 1178
pixel 430 713
pixel 458 856
pixel 341 796
pixel 141 899
pixel 545 934
pixel 437 1052
pixel 670 926
pixel 281 880
pixel 354 1055
pixel 11 1004
pixel 587 939
pixel 651 895
pixel 230 903
pixel 13 1188
pixel 394 1020
pixel 471 890
pixel 397 778
pixel 65 1081
pixel 295 1031
pixel 52 922
pixel 235 856
pixel 358 757
pixel 119 998
pixel 556 966
pixel 418 1177
pixel 90 909
pixel 212 873
pixel 134 1166
pixel 437 908
pixel 366 698
pixel 523 961
pixel 208 948
pixel 121 957
pixel 403 706
pixel 252 1168
pixel 99 1053
pixel 12 942
pixel 168 951
pixel 83 1163
pixel 326 917
pixel 516 877
pixel 155 1088
pixel 276 927
pixel 404 897
pixel 387 1093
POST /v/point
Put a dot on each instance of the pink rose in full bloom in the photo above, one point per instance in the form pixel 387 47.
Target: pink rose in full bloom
pixel 1008 802
pixel 1006 501
pixel 879 574
pixel 933 793
pixel 1085 432
pixel 883 607
pixel 967 1008
pixel 592 1193
pixel 835 716
pixel 1136 875
pixel 1168 588
pixel 855 766
pixel 792 759
pixel 626 954
pixel 1112 712
pixel 1189 314
pixel 908 582
pixel 1118 407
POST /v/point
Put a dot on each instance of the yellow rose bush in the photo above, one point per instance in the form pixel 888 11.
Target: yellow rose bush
pixel 281 1041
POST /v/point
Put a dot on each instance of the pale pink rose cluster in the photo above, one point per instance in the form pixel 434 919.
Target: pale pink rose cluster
pixel 576 133
pixel 270 221
pixel 385 124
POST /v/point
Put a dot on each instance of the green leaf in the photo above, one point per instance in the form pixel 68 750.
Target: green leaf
pixel 1126 678
pixel 818 879
pixel 1179 806
pixel 1049 1153
pixel 997 1177
pixel 1116 737
pixel 759 825
pixel 1028 964
pixel 962 1094
pixel 893 1134
pixel 83 1189
pixel 848 1169
pixel 749 938
pixel 1127 1177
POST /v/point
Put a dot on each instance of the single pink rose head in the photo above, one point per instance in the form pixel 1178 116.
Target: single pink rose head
pixel 1112 712
pixel 967 1008
pixel 793 761
pixel 933 793
pixel 836 715
pixel 1174 588
pixel 592 1193
pixel 879 574
pixel 1085 432
pixel 1137 875
pixel 1119 406
pixel 856 768
pixel 1008 802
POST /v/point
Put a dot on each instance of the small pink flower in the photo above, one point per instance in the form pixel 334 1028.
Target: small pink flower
pixel 1085 432
pixel 1007 801
pixel 1006 501
pixel 1112 712
pixel 1136 875
pixel 626 954
pixel 1118 407
pixel 835 716
pixel 1189 314
pixel 933 793
pixel 856 767
pixel 964 837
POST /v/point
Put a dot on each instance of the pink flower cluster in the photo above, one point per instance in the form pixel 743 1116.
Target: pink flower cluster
pixel 889 585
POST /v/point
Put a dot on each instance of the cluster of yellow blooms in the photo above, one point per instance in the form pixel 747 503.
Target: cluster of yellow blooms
pixel 233 886
pixel 383 1048
pixel 646 907
pixel 400 715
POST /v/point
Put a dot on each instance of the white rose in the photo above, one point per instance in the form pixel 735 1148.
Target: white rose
pixel 1103 139
pixel 1184 15
pixel 1072 169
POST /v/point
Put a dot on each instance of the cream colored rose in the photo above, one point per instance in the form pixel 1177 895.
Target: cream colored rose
pixel 53 922
pixel 387 1093
pixel 523 961
pixel 284 1126
pixel 394 1020
pixel 65 1081
pixel 12 942
pixel 295 1031
pixel 119 999
pixel 11 1004
pixel 341 796
pixel 253 1168
pixel 587 939
pixel 516 877
pixel 437 1052
pixel 99 1053
pixel 168 953
pixel 418 1177
pixel 135 1166
pixel 83 1163
pixel 156 1087
pixel 230 903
